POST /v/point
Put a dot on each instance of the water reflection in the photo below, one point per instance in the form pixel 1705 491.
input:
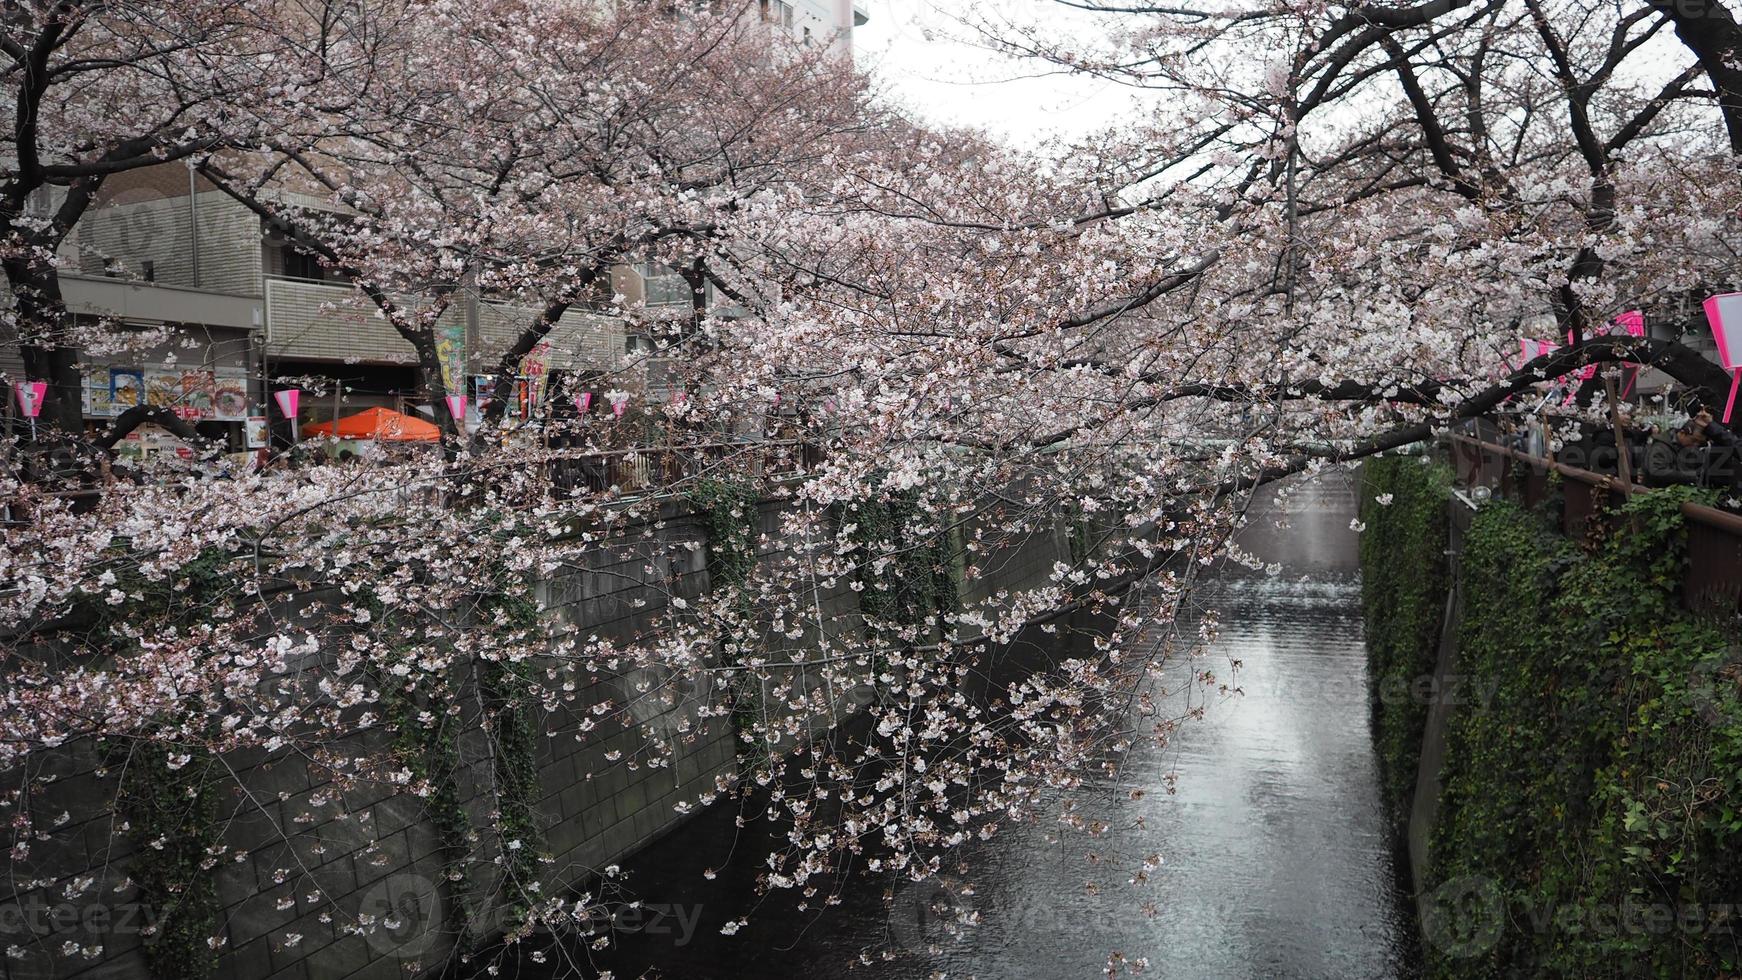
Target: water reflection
pixel 1275 860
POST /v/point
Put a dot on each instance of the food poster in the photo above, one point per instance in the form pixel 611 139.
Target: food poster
pixel 98 401
pixel 230 398
pixel 126 388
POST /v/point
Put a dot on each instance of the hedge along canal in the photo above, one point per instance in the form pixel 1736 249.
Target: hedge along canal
pixel 1583 819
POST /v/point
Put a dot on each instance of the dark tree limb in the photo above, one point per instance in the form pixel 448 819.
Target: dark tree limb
pixel 139 415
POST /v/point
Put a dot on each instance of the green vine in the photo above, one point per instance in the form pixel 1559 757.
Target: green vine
pixel 730 517
pixel 512 708
pixel 907 570
pixel 425 739
pixel 1595 788
pixel 169 808
pixel 167 798
pixel 732 521
pixel 1403 592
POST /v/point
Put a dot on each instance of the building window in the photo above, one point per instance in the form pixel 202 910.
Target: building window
pixel 664 287
pixel 148 269
pixel 301 265
pixel 777 12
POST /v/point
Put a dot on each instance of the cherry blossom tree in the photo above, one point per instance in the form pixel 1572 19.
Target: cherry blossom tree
pixel 554 143
pixel 1466 166
pixel 200 75
pixel 1323 245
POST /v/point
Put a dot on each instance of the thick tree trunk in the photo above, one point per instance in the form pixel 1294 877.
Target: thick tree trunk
pixel 1710 31
pixel 44 327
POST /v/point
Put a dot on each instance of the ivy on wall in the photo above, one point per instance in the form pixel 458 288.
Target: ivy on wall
pixel 729 515
pixel 169 807
pixel 511 711
pixel 1403 594
pixel 732 521
pixel 425 739
pixel 167 799
pixel 1589 821
pixel 907 571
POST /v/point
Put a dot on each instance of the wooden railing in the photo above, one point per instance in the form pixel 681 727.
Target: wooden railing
pixel 1712 582
pixel 647 468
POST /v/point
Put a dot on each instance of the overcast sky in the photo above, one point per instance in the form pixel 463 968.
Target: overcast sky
pixel 915 47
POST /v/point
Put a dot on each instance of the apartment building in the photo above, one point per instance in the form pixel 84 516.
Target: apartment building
pixel 213 308
pixel 813 22
pixel 221 308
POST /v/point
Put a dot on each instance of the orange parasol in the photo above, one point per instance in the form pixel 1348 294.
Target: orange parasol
pixel 380 424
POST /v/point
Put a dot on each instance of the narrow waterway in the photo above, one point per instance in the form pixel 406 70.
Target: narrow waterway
pixel 1276 861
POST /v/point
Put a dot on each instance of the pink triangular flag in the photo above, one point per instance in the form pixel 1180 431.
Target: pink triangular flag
pixel 30 394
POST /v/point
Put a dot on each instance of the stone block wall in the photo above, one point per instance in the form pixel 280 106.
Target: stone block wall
pixel 317 859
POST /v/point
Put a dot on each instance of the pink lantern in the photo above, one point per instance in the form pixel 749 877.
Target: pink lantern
pixel 583 401
pixel 1533 349
pixel 619 407
pixel 1633 323
pixel 457 408
pixel 289 400
pixel 1724 313
pixel 30 395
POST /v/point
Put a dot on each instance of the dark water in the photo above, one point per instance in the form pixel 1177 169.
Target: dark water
pixel 1276 861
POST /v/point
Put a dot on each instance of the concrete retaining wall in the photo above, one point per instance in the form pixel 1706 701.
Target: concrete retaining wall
pixel 305 857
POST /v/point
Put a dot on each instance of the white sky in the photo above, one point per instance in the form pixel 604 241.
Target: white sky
pixel 914 47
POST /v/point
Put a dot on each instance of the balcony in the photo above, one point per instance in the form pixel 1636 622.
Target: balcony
pixel 311 320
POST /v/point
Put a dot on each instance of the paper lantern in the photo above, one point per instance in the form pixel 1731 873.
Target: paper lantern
pixel 583 401
pixel 289 400
pixel 30 395
pixel 457 408
pixel 1631 323
pixel 1724 313
pixel 1533 349
pixel 619 406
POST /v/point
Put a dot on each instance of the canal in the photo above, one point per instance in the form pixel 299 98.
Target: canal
pixel 1275 858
